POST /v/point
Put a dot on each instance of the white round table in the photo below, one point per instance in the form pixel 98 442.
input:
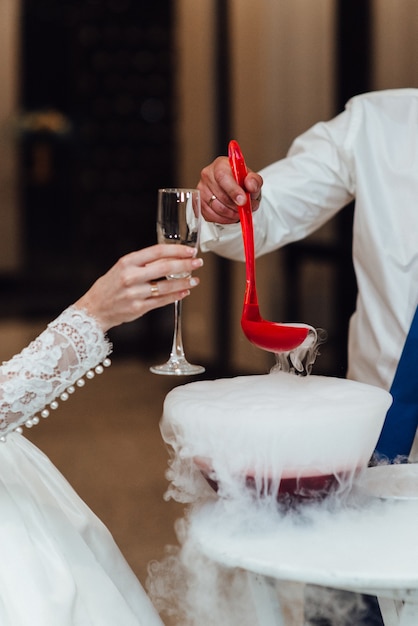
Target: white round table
pixel 371 548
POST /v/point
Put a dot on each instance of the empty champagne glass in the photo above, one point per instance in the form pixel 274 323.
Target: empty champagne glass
pixel 178 223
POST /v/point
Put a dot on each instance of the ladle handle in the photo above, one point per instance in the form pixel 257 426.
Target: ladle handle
pixel 239 170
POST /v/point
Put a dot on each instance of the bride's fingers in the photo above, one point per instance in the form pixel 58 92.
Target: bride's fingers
pixel 156 303
pixel 168 288
pixel 131 274
pixel 151 254
pixel 169 267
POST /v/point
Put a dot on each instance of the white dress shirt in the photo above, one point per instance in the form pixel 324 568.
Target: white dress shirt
pixel 368 153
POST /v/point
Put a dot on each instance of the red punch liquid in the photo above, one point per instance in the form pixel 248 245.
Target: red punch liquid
pixel 270 336
pixel 302 489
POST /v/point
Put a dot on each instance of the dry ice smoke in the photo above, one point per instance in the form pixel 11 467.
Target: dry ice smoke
pixel 300 361
pixel 264 431
pixel 221 434
pixel 191 589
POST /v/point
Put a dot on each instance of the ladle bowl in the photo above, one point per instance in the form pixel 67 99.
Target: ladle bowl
pixel 271 336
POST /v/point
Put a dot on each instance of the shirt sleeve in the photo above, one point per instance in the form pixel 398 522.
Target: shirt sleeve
pixel 300 193
pixel 58 358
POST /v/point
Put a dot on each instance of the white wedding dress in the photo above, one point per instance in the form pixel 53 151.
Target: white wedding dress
pixel 59 565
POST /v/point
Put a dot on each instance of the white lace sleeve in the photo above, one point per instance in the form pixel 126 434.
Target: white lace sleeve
pixel 47 368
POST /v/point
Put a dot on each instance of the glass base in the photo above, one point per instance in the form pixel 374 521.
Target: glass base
pixel 177 367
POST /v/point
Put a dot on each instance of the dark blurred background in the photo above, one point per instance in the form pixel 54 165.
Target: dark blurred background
pixel 107 100
pixel 96 141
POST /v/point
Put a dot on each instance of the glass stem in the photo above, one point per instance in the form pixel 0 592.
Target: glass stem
pixel 177 351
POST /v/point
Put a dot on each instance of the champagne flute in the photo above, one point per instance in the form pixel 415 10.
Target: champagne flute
pixel 178 223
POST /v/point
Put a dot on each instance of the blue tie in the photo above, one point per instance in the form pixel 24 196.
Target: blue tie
pixel 401 421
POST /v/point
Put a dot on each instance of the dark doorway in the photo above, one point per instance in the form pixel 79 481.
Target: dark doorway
pixel 97 140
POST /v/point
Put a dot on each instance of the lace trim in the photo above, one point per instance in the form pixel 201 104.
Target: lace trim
pixel 69 347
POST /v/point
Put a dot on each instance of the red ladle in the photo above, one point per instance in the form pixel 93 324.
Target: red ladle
pixel 266 335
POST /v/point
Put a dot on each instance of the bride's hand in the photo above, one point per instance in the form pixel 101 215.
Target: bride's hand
pixel 135 284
